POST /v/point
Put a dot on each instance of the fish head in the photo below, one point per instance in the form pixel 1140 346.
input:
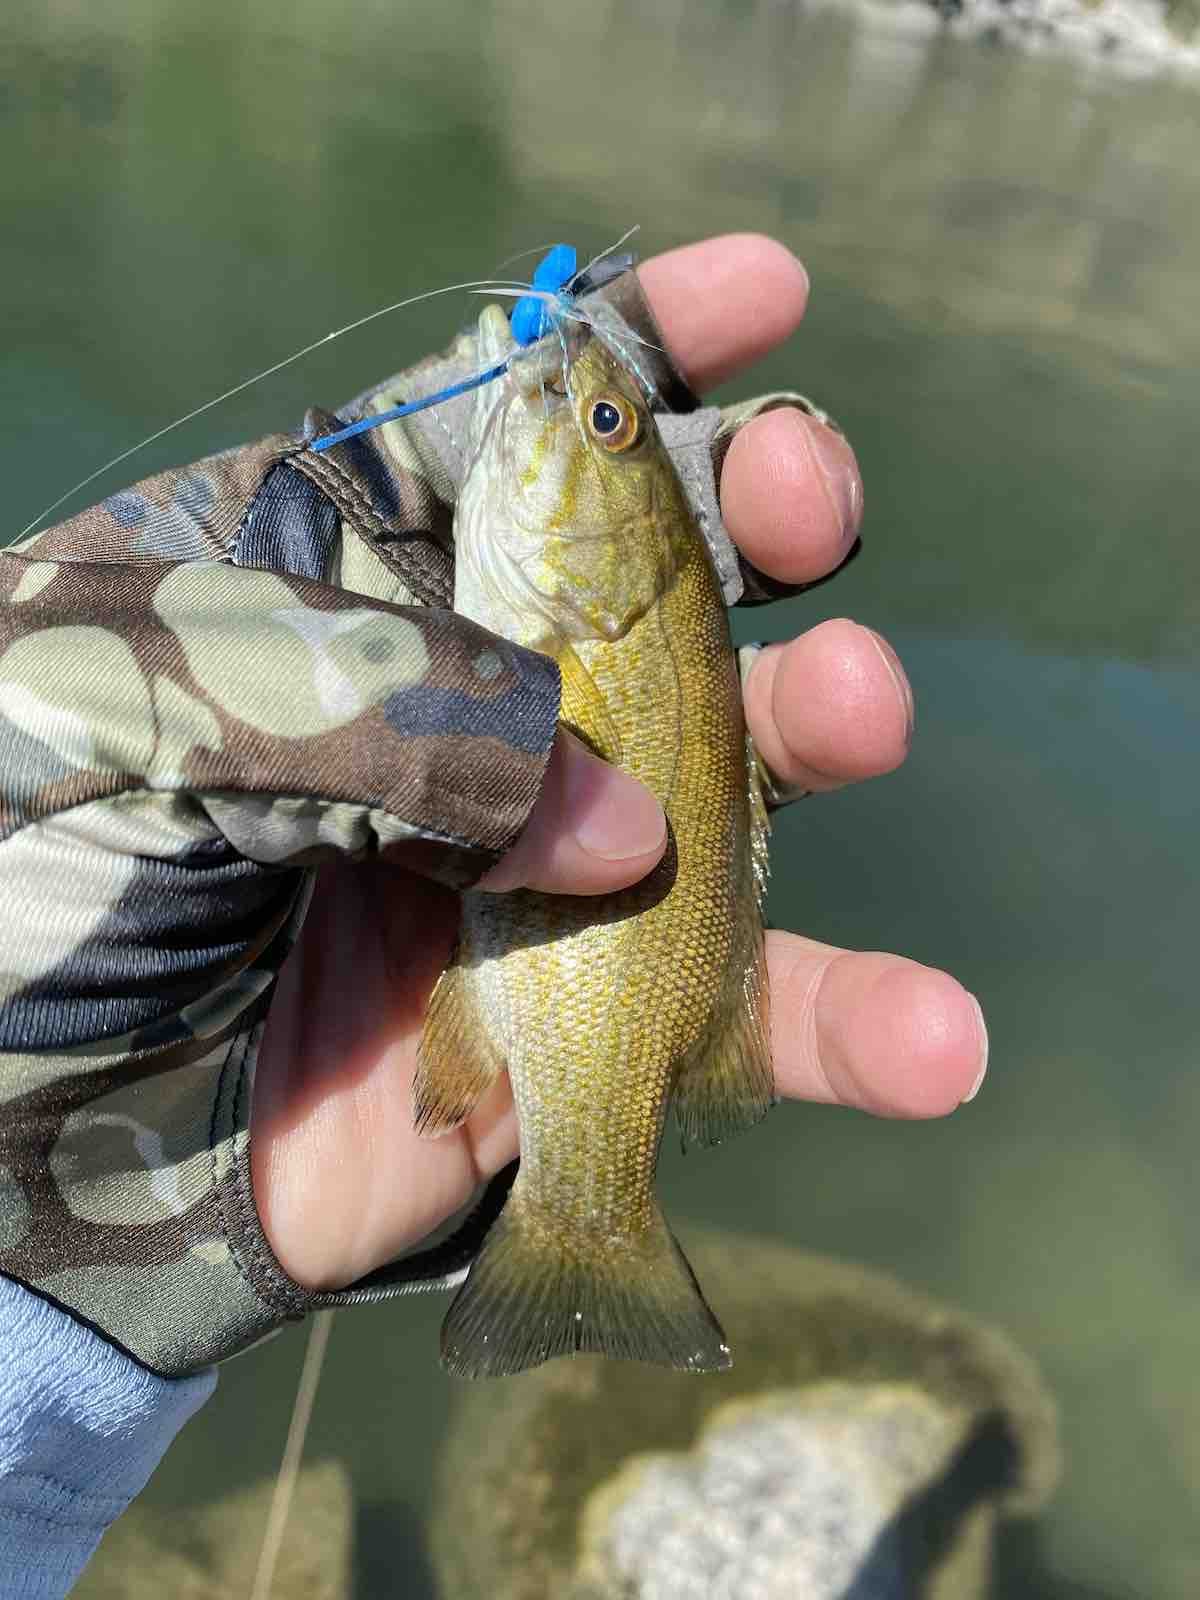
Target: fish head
pixel 572 520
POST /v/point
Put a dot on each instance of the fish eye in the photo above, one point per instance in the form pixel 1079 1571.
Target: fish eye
pixel 613 422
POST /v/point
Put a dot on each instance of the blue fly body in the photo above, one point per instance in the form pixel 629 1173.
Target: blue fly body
pixel 532 318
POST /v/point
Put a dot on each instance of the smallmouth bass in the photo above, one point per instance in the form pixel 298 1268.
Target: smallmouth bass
pixel 574 537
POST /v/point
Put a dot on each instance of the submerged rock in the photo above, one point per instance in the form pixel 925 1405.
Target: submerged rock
pixel 807 1483
pixel 210 1552
pixel 863 1445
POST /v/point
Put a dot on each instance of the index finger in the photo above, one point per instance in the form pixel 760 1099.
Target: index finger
pixel 724 303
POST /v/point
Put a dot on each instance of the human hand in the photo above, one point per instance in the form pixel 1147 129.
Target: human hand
pixel 341 1180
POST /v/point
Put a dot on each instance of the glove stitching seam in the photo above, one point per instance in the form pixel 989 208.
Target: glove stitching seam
pixel 242 1041
pixel 118 799
pixel 247 1213
pixel 238 1039
pixel 375 528
pixel 242 1183
pixel 232 551
pixel 356 496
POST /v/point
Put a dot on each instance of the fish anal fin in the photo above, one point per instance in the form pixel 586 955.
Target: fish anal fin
pixel 533 1294
pixel 583 708
pixel 456 1061
pixel 726 1082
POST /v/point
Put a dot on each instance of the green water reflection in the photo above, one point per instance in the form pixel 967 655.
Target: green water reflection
pixel 1003 253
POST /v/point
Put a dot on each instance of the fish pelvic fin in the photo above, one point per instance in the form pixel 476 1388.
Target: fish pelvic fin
pixel 457 1062
pixel 532 1295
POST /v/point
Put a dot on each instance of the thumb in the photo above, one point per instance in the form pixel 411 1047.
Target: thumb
pixel 593 829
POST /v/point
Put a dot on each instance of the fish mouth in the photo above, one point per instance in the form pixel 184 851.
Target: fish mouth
pixel 541 371
pixel 496 343
pixel 537 373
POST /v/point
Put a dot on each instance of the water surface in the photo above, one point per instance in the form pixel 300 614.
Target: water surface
pixel 1003 255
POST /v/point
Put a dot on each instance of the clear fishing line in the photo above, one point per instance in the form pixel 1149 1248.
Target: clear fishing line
pixel 479 285
pixel 595 261
pixel 560 304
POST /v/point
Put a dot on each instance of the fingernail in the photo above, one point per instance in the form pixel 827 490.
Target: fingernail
pixel 983 1052
pixel 839 473
pixel 622 819
pixel 903 688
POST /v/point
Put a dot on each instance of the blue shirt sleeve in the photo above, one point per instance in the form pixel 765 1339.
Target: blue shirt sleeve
pixel 82 1427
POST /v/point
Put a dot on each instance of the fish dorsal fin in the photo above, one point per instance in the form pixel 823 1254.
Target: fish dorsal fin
pixel 583 708
pixel 760 822
pixel 726 1081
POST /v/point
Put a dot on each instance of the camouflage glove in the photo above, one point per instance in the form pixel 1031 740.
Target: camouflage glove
pixel 208 685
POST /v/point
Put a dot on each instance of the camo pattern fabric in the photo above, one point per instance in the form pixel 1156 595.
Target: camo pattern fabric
pixel 210 683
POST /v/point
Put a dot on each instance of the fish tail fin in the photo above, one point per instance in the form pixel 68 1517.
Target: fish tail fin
pixel 531 1296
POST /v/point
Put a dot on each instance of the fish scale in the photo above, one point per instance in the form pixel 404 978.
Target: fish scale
pixel 602 1008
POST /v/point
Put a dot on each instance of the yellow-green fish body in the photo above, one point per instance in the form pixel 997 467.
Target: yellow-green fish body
pixel 574 536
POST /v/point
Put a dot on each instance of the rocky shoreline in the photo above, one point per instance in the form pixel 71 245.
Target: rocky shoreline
pixel 1137 38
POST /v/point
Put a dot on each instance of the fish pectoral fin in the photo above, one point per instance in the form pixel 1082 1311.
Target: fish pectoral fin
pixel 457 1062
pixel 726 1082
pixel 534 1292
pixel 583 708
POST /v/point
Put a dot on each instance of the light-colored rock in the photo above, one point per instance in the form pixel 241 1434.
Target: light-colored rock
pixel 809 1484
pixel 864 1443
